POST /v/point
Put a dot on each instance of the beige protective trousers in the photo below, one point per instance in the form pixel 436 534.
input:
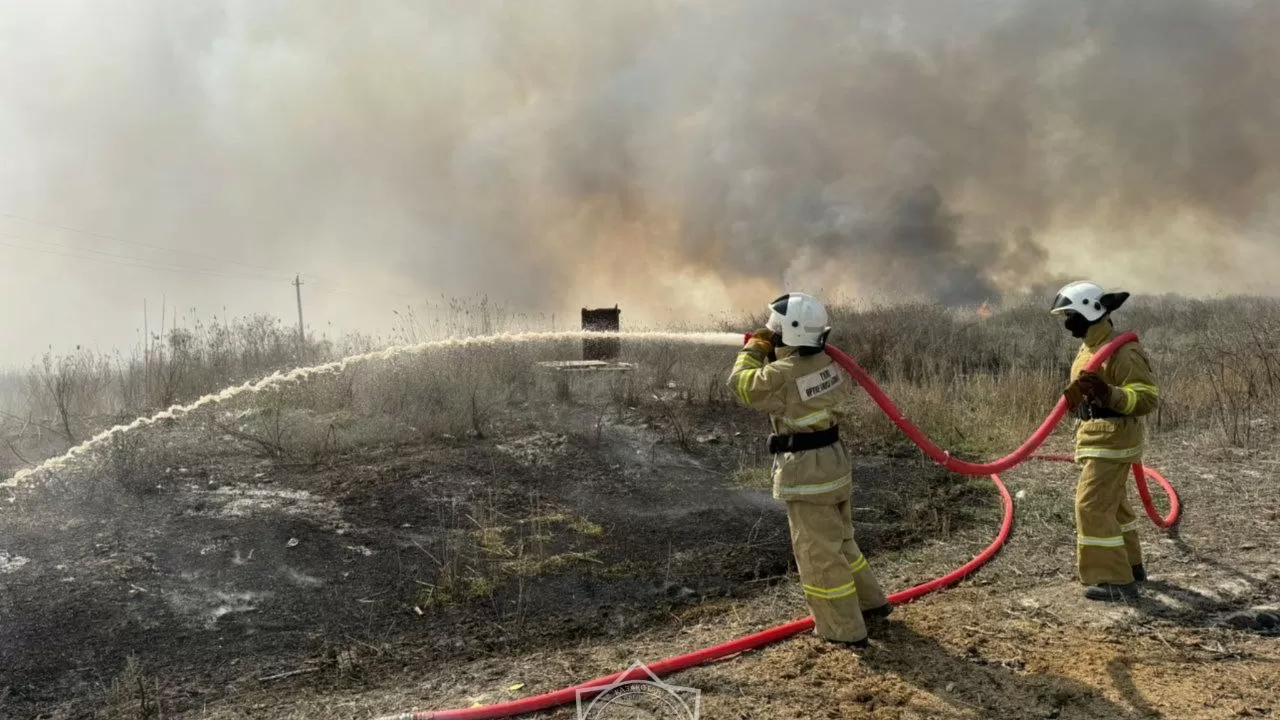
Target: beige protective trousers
pixel 838 584
pixel 1107 544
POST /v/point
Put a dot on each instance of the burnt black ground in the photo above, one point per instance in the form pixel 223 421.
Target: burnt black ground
pixel 234 568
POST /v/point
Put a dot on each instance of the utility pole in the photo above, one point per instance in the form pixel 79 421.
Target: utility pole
pixel 302 334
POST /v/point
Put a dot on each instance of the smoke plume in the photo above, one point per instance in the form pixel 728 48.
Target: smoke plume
pixel 671 156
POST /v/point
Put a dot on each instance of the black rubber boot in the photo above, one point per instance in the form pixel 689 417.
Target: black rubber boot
pixel 878 613
pixel 1139 573
pixel 864 642
pixel 1112 593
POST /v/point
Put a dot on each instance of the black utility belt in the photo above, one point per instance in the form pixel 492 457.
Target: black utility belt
pixel 1087 411
pixel 804 441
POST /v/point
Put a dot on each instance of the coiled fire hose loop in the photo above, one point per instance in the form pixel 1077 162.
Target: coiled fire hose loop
pixel 795 627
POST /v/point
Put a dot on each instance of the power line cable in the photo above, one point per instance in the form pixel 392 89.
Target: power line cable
pixel 324 284
pixel 162 248
pixel 129 261
pixel 150 261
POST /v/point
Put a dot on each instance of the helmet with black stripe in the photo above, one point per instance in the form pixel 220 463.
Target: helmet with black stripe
pixel 1088 299
pixel 800 319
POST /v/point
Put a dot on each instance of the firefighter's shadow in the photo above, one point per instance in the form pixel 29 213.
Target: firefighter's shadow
pixel 1191 552
pixel 1185 606
pixel 1191 607
pixel 991 687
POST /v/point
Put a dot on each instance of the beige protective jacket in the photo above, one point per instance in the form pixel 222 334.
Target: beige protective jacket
pixel 801 394
pixel 1134 393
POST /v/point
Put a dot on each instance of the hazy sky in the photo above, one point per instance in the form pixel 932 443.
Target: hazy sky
pixel 673 157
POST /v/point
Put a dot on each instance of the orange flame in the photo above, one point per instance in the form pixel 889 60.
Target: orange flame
pixel 984 311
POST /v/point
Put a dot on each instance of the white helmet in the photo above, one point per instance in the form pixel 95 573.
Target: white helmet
pixel 800 319
pixel 1086 298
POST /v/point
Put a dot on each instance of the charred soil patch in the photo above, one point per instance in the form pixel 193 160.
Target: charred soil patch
pixel 1015 640
pixel 217 575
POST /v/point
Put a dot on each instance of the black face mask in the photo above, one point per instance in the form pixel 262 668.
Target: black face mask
pixel 1077 325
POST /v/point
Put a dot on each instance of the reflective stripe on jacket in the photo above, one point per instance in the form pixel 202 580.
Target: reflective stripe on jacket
pixel 1134 393
pixel 801 394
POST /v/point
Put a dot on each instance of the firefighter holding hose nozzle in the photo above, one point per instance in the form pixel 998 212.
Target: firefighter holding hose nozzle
pixel 812 472
pixel 1110 438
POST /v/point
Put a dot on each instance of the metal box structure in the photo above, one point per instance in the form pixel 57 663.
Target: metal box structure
pixel 601 320
pixel 598 373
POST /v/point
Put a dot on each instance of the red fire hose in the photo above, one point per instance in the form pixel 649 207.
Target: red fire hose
pixel 1024 452
pixel 795 627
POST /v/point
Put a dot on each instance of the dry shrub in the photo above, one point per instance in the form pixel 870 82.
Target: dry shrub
pixel 445 390
pixel 974 383
pixel 695 372
pixel 131 695
pixel 962 377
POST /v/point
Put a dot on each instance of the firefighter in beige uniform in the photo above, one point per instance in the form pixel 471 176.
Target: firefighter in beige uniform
pixel 1111 437
pixel 801 390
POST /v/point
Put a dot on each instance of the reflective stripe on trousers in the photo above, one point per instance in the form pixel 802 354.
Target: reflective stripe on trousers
pixel 845 590
pixel 1117 541
pixel 1085 452
pixel 816 489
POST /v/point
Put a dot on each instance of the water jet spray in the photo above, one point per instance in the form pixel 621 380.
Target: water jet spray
pixel 281 378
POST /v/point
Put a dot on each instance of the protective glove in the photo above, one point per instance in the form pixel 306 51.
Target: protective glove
pixel 1074 395
pixel 763 339
pixel 1094 387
